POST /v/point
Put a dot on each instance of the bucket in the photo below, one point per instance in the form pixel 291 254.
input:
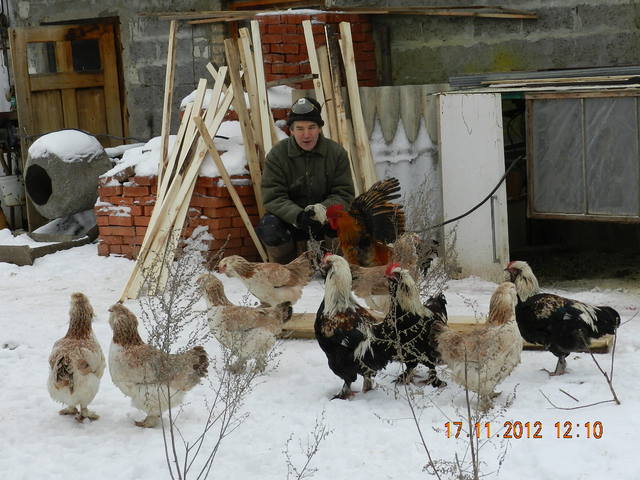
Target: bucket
pixel 12 190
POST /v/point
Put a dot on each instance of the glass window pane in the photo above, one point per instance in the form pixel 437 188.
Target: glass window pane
pixel 86 55
pixel 558 182
pixel 41 58
pixel 612 155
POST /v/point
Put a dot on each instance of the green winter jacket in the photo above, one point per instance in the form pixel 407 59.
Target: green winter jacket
pixel 294 178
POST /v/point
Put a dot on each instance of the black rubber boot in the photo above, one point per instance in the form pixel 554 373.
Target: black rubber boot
pixel 283 253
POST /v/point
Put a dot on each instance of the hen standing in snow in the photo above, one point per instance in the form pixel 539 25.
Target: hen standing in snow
pixel 482 358
pixel 370 283
pixel 344 329
pixel 76 362
pixel 271 283
pixel 559 324
pixel 410 328
pixel 248 332
pixel 145 373
pixel 371 222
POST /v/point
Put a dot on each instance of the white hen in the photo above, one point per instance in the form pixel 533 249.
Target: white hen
pixel 153 379
pixel 249 333
pixel 76 362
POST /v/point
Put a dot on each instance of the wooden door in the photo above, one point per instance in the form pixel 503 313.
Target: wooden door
pixel 66 76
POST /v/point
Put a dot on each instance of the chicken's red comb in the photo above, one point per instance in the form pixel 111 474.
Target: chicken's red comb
pixel 324 257
pixel 390 268
pixel 332 210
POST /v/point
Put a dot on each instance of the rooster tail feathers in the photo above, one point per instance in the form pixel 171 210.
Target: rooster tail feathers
pixel 438 305
pixel 375 210
pixel 607 320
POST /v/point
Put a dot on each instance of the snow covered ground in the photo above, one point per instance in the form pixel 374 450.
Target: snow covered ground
pixel 373 436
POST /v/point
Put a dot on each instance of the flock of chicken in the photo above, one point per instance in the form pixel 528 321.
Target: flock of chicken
pixel 380 265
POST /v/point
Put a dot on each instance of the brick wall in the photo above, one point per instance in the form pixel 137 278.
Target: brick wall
pixel 123 211
pixel 285 51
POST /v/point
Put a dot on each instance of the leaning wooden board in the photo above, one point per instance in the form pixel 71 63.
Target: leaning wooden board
pixel 301 327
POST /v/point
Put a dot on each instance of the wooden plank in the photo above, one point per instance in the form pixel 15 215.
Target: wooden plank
pixel 64 33
pixel 113 104
pixel 265 111
pixel 164 215
pixel 329 102
pixel 168 99
pixel 315 70
pixel 91 111
pixel 175 150
pixel 175 163
pixel 64 63
pixel 336 83
pixel 301 327
pixel 58 81
pixel 70 113
pixel 367 168
pixel 50 112
pixel 18 47
pixel 226 18
pixel 240 106
pixel 584 94
pixel 232 190
pixel 542 81
pixel 290 80
pixel 246 56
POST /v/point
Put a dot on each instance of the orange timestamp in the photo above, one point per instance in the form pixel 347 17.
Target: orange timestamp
pixel 518 429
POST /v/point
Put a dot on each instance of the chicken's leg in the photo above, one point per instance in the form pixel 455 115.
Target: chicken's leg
pixel 86 413
pixel 149 422
pixel 433 380
pixel 561 366
pixel 345 393
pixel 367 384
pixel 71 410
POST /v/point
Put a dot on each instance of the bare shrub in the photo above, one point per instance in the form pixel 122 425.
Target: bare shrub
pixel 308 450
pixel 175 324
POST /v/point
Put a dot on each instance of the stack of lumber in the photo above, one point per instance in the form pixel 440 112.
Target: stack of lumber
pixel 351 133
pixel 178 172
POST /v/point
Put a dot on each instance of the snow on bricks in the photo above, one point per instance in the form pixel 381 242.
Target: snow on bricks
pixel 123 211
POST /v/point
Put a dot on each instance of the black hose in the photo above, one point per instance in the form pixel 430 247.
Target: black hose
pixel 513 164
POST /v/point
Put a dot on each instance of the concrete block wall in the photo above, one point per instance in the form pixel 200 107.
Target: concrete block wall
pixel 143 39
pixel 124 208
pixel 567 34
pixel 285 51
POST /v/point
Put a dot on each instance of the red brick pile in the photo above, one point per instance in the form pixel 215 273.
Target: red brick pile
pixel 123 211
pixel 285 50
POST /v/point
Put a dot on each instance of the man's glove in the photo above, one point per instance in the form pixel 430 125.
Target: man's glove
pixel 306 222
